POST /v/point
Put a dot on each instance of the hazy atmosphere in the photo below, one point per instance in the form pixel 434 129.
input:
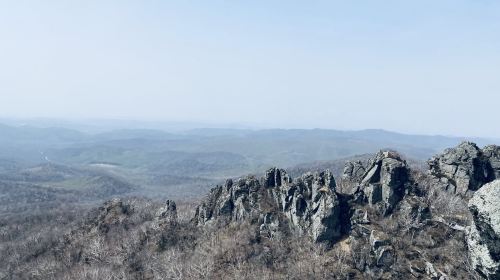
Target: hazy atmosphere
pixel 427 67
pixel 269 140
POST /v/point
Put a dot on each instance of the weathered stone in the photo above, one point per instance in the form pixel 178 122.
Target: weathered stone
pixel 417 267
pixel 310 204
pixel 386 179
pixel 415 210
pixel 115 207
pixel 165 216
pixel 466 167
pixel 492 153
pixel 113 212
pixel 325 209
pixel 429 270
pixel 373 193
pixel 270 225
pixel 378 239
pixel 276 177
pixel 382 252
pixel 359 217
pixel 353 171
pixel 483 236
pixel 385 256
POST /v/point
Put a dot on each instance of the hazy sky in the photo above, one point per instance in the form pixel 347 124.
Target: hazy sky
pixel 412 66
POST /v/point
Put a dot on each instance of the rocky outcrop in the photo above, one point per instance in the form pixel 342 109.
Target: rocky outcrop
pixel 230 202
pixel 353 171
pixel 414 210
pixel 381 249
pixel 256 227
pixel 385 179
pixel 483 236
pixel 276 177
pixel 310 205
pixel 112 213
pixel 166 216
pixel 465 167
pixel 492 153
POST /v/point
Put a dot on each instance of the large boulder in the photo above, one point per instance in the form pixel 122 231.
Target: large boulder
pixel 465 167
pixel 381 249
pixel 385 179
pixel 315 206
pixel 483 236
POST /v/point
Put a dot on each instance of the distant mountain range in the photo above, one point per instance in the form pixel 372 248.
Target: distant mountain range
pixel 158 160
pixel 271 146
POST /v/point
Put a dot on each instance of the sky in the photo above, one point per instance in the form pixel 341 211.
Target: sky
pixel 426 67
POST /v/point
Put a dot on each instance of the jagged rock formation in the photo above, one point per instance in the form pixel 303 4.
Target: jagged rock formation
pixel 312 205
pixel 465 167
pixel 112 213
pixel 309 206
pixel 230 202
pixel 415 209
pixel 384 180
pixel 118 214
pixel 392 224
pixel 353 171
pixel 166 216
pixel 381 246
pixel 277 205
pixel 492 153
pixel 483 236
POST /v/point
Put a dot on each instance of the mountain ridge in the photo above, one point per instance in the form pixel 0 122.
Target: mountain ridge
pixel 381 220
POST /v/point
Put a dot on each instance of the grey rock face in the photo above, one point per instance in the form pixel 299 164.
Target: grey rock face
pixel 466 167
pixel 483 236
pixel 415 210
pixel 276 177
pixel 492 153
pixel 359 217
pixel 166 216
pixel 270 225
pixel 310 205
pixel 378 239
pixel 113 212
pixel 420 266
pixel 230 202
pixel 353 171
pixel 384 180
pixel 382 250
pixel 324 208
